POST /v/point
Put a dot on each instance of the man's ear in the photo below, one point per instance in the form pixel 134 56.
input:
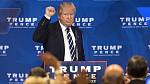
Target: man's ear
pixel 126 69
pixel 58 16
pixel 147 71
pixel 126 74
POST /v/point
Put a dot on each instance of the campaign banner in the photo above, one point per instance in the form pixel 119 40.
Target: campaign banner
pixel 94 69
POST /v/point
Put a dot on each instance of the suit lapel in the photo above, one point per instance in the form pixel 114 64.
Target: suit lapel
pixel 74 31
pixel 60 38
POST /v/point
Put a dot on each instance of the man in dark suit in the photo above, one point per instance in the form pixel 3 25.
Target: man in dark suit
pixel 137 68
pixel 60 38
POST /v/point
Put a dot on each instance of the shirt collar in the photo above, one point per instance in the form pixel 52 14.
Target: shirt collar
pixel 62 26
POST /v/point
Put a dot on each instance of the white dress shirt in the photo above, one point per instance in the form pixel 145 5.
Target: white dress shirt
pixel 67 56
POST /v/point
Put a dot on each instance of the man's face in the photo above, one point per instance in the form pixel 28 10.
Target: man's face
pixel 67 16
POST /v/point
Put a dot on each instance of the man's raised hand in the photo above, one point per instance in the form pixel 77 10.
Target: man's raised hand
pixel 50 11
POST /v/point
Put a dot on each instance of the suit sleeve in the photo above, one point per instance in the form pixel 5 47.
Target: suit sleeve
pixel 40 34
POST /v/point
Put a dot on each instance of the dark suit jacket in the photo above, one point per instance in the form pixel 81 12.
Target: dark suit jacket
pixel 50 34
pixel 137 82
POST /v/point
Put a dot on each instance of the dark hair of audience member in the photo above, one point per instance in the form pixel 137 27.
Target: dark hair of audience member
pixel 137 66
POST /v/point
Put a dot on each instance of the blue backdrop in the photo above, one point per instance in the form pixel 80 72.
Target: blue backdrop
pixel 113 31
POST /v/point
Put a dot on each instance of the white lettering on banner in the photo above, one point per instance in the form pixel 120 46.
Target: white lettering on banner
pixel 4 47
pixel 134 22
pixel 92 77
pixel 3 50
pixel 16 77
pixel 64 69
pixel 87 68
pixel 84 22
pixel 96 68
pixel 39 49
pixel 75 69
pixel 86 25
pixel 110 47
pixel 21 22
pixel 148 46
pixel 10 19
pixel 106 50
pixel 134 19
pixel 84 19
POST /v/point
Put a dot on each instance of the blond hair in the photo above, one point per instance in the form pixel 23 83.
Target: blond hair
pixel 36 80
pixel 66 5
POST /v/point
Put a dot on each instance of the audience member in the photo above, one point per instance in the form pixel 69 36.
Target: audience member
pixel 39 74
pixel 113 75
pixel 50 60
pixel 137 68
